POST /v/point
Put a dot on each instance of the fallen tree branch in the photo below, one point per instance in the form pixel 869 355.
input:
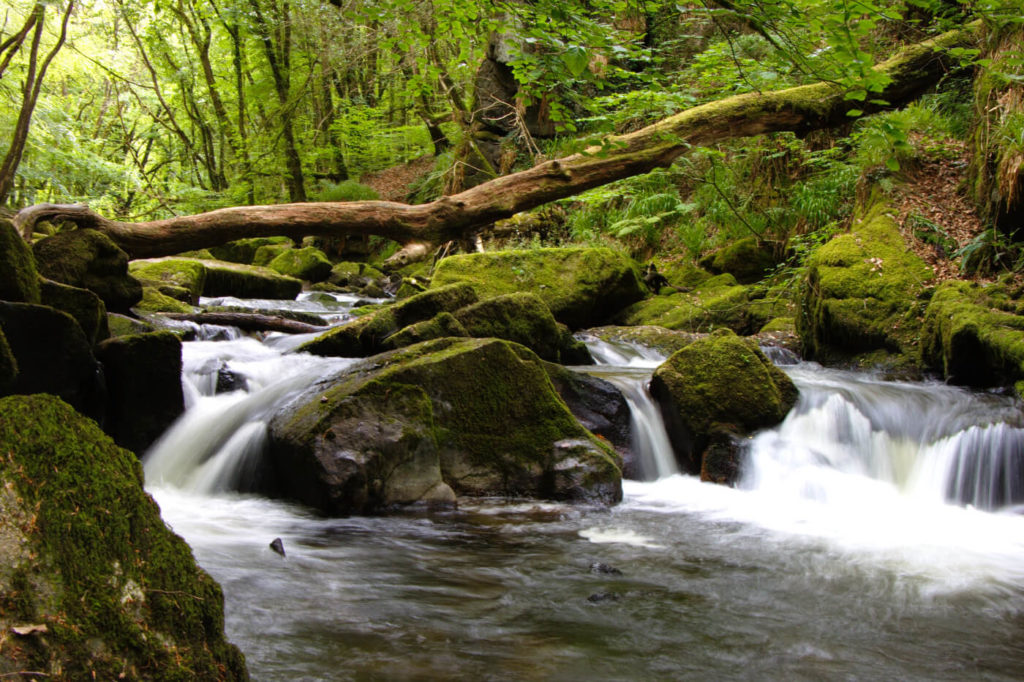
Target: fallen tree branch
pixel 800 109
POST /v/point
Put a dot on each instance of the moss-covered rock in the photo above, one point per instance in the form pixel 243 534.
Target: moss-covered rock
pixel 437 327
pixel 89 259
pixel 8 365
pixel 86 307
pixel 308 263
pixel 87 559
pixel 665 341
pixel 522 318
pixel 582 287
pixel 745 259
pixel 720 380
pixel 184 273
pixel 144 395
pixel 155 301
pixel 863 291
pixel 717 302
pixel 122 325
pixel 346 274
pixel 53 355
pixel 478 416
pixel 974 335
pixel 597 405
pixel 682 274
pixel 269 252
pixel 244 250
pixel 248 281
pixel 18 279
pixel 368 334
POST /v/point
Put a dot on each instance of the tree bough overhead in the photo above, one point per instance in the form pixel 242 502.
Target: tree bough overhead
pixel 801 109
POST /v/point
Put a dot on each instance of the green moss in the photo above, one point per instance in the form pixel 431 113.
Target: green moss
pixel 155 302
pixel 439 326
pixel 367 334
pixel 265 254
pixel 582 287
pixel 86 307
pixel 122 325
pixel 18 279
pixel 189 274
pixel 970 338
pixel 780 324
pixel 243 250
pixel 718 302
pixel 8 365
pixel 308 263
pixel 721 379
pixel 682 274
pixel 118 592
pixel 661 339
pixel 863 290
pixel 745 259
pixel 89 260
pixel 248 281
pixel 522 318
pixel 201 254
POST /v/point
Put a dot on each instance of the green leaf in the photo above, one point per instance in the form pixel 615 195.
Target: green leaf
pixel 576 59
pixel 892 164
pixel 853 113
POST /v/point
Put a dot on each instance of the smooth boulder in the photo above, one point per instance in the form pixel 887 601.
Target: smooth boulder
pixel 465 416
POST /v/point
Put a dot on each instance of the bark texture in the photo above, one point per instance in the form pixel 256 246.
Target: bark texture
pixel 801 109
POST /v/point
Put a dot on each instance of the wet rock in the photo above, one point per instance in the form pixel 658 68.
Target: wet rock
pixel 180 273
pixel 52 355
pixel 604 569
pixel 87 557
pixel 604 597
pixel 718 381
pixel 144 394
pixel 228 380
pixel 308 263
pixel 277 545
pixel 89 260
pixel 582 287
pixel 86 307
pixel 416 425
pixel 597 404
pixel 19 281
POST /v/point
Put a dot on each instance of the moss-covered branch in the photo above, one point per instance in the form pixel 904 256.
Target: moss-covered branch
pixel 801 109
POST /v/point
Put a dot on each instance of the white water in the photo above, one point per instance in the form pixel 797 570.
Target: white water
pixel 836 556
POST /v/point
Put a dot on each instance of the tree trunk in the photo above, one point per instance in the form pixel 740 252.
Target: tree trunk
pixel 800 109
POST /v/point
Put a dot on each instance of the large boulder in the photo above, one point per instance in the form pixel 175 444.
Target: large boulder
pixel 583 287
pixel 716 387
pixel 746 259
pixel 308 263
pixel 18 279
pixel 53 355
pixel 864 291
pixel 596 403
pixel 370 333
pixel 93 585
pixel 248 281
pixel 171 274
pixel 473 416
pixel 522 318
pixel 144 394
pixel 89 259
pixel 86 307
pixel 974 334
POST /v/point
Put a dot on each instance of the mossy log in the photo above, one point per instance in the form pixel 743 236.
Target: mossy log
pixel 800 109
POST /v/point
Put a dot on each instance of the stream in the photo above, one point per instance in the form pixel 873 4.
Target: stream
pixel 874 535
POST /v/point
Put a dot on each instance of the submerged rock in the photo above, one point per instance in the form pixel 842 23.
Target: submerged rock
pixel 583 287
pixel 718 385
pixel 88 565
pixel 90 260
pixel 420 424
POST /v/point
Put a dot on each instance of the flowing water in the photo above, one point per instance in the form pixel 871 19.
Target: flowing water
pixel 838 556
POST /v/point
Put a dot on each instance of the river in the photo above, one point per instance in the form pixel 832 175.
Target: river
pixel 872 536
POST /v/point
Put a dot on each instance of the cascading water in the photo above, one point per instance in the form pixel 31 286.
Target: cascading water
pixel 838 555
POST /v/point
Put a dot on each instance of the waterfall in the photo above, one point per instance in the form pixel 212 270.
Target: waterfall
pixel 629 367
pixel 850 435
